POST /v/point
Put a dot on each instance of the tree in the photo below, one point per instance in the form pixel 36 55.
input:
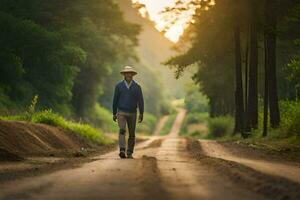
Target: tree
pixel 252 102
pixel 270 41
pixel 71 43
pixel 239 96
pixel 41 62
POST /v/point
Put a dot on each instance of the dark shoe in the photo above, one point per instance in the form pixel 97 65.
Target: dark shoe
pixel 129 156
pixel 122 154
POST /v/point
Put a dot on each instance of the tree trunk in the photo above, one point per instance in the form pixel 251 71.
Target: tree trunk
pixel 239 96
pixel 266 95
pixel 252 107
pixel 247 73
pixel 212 108
pixel 270 34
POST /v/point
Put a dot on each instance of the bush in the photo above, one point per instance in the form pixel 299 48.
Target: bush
pixel 102 118
pixel 290 118
pixel 220 126
pixel 195 134
pixel 194 100
pixel 166 108
pixel 195 118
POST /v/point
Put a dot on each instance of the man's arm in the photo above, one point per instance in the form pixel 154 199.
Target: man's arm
pixel 115 100
pixel 141 104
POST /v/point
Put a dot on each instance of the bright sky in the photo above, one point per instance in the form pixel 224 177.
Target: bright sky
pixel 154 7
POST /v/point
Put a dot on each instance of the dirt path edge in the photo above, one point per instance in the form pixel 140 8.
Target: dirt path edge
pixel 272 187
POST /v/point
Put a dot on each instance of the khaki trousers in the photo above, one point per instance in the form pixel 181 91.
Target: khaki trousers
pixel 129 119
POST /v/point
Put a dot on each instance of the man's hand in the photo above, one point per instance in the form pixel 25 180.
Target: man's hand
pixel 141 117
pixel 115 118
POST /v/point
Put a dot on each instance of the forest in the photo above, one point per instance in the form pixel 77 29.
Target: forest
pixel 247 59
pixel 219 80
pixel 68 54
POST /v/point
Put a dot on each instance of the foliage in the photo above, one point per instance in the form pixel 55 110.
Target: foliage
pixel 194 100
pixel 212 52
pixel 148 125
pixel 61 51
pixel 196 118
pixel 284 136
pixel 211 45
pixel 290 125
pixel 293 69
pixel 53 119
pixel 220 126
pixel 26 70
pixel 102 118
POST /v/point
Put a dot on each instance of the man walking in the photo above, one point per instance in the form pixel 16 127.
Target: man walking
pixel 127 97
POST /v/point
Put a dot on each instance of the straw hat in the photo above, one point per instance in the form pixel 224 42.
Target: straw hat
pixel 128 69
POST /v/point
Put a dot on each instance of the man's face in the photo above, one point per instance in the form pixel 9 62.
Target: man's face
pixel 128 76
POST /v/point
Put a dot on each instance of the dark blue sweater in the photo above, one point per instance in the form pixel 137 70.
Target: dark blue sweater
pixel 128 100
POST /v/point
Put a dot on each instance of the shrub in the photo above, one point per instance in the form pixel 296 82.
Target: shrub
pixel 220 126
pixel 195 118
pixel 102 118
pixel 194 100
pixel 166 108
pixel 290 118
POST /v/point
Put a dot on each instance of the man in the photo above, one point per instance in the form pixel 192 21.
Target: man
pixel 127 97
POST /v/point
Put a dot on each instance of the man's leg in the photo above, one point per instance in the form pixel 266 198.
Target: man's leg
pixel 122 130
pixel 131 123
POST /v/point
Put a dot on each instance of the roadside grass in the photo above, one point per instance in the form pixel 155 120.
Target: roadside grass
pixel 287 136
pixel 220 126
pixel 102 118
pixel 195 125
pixel 53 119
pixel 148 125
pixel 284 138
pixel 274 140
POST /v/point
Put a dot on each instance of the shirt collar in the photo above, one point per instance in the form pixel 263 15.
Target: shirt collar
pixel 126 83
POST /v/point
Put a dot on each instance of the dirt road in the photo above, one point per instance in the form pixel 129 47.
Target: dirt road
pixel 165 168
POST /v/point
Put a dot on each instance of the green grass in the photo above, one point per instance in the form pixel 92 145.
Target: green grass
pixel 220 126
pixel 53 119
pixel 168 125
pixel 194 118
pixel 102 118
pixel 287 136
pixel 148 125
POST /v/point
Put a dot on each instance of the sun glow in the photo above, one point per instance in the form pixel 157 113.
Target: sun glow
pixel 173 31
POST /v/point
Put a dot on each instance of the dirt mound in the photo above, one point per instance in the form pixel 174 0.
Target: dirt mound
pixel 29 139
pixel 7 156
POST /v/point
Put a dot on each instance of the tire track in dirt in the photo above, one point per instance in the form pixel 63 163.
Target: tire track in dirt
pixel 106 178
pixel 271 187
pixel 281 168
pixel 184 179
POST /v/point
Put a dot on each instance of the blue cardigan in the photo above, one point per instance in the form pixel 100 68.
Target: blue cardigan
pixel 128 100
